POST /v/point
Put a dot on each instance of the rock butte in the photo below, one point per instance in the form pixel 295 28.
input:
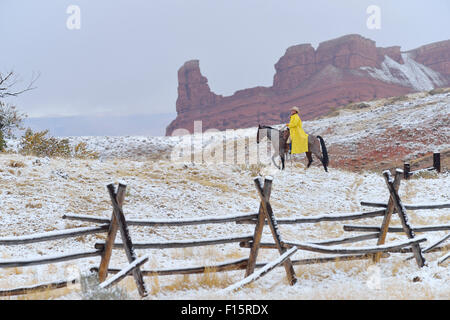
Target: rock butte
pixel 340 71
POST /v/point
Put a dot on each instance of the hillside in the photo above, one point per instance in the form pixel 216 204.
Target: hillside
pixel 36 194
pixel 372 135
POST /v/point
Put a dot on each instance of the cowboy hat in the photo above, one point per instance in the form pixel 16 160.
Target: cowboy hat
pixel 295 109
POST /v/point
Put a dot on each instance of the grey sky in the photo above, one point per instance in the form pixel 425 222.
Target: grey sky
pixel 125 57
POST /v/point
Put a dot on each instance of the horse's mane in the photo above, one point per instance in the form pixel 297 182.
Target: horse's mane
pixel 268 127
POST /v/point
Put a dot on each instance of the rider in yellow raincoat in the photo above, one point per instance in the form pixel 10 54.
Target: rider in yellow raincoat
pixel 298 136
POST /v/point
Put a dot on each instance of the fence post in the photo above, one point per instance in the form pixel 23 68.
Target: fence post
pixel 111 237
pixel 258 232
pixel 274 229
pixel 126 239
pixel 437 161
pixel 387 216
pixel 406 170
pixel 403 218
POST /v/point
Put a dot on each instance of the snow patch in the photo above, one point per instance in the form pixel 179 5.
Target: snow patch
pixel 410 74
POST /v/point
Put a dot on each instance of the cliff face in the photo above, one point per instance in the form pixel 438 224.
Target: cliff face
pixel 435 56
pixel 339 71
pixel 193 89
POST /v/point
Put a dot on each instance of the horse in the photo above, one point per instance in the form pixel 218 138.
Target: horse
pixel 316 146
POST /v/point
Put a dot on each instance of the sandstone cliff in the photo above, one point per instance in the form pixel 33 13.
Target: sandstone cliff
pixel 340 71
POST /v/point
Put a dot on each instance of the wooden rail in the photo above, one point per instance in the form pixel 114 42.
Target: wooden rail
pixel 179 243
pixel 124 272
pixel 52 235
pixel 322 218
pixel 241 264
pixel 436 166
pixel 443 258
pixel 443 227
pixel 226 266
pixel 49 259
pixel 434 245
pixel 164 222
pixel 328 242
pixel 360 250
pixel 37 288
pixel 261 272
pixel 408 206
pixel 435 249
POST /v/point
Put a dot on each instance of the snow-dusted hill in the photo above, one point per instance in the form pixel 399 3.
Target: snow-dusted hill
pixel 373 135
pixel 35 195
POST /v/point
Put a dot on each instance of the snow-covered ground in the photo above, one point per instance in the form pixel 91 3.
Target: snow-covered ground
pixel 35 195
pixel 34 198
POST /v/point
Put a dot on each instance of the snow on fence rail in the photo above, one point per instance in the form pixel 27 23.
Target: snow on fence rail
pixel 322 218
pixel 265 216
pixel 179 243
pixel 165 222
pixel 52 235
pixel 408 206
pixel 442 227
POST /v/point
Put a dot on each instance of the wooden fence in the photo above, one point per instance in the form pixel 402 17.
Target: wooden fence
pixel 265 216
pixel 407 173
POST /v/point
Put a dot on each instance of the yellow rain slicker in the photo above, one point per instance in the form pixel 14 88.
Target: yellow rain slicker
pixel 298 136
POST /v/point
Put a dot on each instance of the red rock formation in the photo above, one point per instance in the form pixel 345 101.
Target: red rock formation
pixel 435 56
pixel 316 81
pixel 193 89
pixel 348 52
pixel 392 52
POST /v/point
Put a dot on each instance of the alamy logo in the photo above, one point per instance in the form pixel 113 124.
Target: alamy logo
pixel 374 20
pixel 73 22
pixel 214 146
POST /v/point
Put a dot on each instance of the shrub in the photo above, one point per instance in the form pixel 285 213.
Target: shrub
pixel 81 151
pixel 10 120
pixel 38 144
pixel 2 142
pixel 90 290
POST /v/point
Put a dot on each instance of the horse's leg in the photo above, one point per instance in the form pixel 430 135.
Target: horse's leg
pixel 282 161
pixel 274 163
pixel 310 159
pixel 316 151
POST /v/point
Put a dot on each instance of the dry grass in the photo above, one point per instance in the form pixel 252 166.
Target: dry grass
pixel 154 285
pixel 253 169
pixel 16 164
pixel 207 182
pixel 33 205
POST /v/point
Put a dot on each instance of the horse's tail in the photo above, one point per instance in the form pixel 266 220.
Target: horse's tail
pixel 324 151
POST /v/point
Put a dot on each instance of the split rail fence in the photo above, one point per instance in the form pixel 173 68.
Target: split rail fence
pixel 265 216
pixel 407 173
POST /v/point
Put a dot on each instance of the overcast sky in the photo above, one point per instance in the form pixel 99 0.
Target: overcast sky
pixel 124 58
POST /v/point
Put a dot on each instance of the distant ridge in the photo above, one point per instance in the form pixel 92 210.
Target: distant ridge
pixel 138 124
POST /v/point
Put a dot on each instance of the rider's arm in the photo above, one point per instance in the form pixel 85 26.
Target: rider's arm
pixel 295 122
